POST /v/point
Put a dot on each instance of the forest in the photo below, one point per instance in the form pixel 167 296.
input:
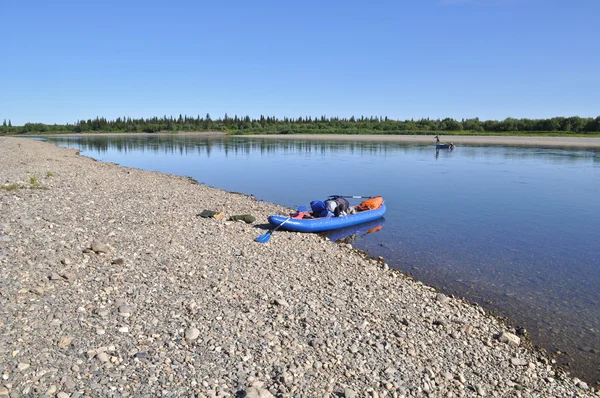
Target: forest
pixel 574 125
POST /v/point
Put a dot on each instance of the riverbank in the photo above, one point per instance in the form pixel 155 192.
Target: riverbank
pixel 582 142
pixel 113 286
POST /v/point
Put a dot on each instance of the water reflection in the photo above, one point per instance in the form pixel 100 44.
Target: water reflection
pixel 356 232
pixel 198 145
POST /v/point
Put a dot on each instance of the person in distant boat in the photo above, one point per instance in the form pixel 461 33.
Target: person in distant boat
pixel 437 139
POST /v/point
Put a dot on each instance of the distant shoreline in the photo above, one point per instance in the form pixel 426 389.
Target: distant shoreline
pixel 456 139
pixel 580 142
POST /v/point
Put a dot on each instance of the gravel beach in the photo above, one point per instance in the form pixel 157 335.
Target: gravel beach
pixel 112 286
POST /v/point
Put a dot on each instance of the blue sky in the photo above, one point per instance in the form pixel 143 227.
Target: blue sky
pixel 68 60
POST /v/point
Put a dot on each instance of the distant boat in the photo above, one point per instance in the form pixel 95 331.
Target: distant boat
pixel 443 145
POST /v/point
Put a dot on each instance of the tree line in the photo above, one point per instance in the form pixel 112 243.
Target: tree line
pixel 312 125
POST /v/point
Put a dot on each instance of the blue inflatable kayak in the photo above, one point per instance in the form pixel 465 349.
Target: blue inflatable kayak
pixel 326 223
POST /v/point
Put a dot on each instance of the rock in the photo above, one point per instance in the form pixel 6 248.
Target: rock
pixel 442 298
pixel 480 391
pixel 98 247
pixel 518 361
pixel 125 310
pixel 349 393
pixel 258 392
pixel 192 334
pixel 583 385
pixel 70 276
pixel 62 394
pixel 22 366
pixel 281 302
pixel 510 339
pixel 55 277
pixel 3 392
pixel 118 261
pixel 65 342
pixel 467 329
pixel 51 390
pixel 103 357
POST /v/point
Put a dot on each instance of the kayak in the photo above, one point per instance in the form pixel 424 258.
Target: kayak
pixel 445 146
pixel 326 223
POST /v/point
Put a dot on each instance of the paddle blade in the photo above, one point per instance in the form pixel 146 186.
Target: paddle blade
pixel 264 238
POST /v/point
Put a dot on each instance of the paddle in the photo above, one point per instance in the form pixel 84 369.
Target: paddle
pixel 264 238
pixel 351 197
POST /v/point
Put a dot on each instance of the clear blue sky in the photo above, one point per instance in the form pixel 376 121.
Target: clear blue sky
pixel 68 60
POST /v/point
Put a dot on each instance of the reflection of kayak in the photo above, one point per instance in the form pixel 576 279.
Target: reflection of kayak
pixel 353 232
pixel 326 223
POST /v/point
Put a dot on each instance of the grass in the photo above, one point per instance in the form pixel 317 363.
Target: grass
pixel 10 187
pixel 34 183
pixel 49 174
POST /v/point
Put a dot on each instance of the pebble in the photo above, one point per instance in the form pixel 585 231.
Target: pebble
pixel 22 366
pixel 99 247
pixel 349 393
pixel 510 339
pixel 103 357
pixel 192 334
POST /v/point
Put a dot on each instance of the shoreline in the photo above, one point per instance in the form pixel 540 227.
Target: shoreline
pixel 196 305
pixel 577 142
pixel 583 142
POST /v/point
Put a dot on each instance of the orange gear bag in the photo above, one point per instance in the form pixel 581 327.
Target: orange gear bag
pixel 371 204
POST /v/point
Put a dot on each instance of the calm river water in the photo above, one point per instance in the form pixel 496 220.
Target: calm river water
pixel 516 229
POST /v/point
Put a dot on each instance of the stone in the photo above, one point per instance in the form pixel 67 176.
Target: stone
pixel 98 247
pixel 192 334
pixel 518 361
pixel 281 302
pixel 442 298
pixel 70 276
pixel 55 277
pixel 349 393
pixel 510 339
pixel 65 342
pixel 258 392
pixel 467 329
pixel 103 357
pixel 125 310
pixel 583 385
pixel 23 366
